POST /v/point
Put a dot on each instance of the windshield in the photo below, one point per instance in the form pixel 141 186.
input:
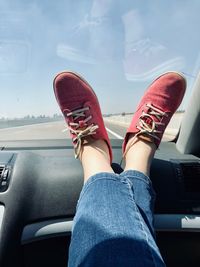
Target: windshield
pixel 118 46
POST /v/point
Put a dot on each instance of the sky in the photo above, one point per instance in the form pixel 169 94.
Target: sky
pixel 118 46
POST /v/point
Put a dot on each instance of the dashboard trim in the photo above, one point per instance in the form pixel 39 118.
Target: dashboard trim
pixel 63 227
pixel 2 209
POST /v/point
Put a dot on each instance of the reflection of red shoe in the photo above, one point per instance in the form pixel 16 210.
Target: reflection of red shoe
pixel 145 59
pixel 80 108
pixel 156 108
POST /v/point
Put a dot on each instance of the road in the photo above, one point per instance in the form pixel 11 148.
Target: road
pixel 54 130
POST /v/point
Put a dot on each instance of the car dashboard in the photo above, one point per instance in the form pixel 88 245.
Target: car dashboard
pixel 40 186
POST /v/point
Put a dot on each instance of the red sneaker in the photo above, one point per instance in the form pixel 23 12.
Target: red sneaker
pixel 80 108
pixel 156 108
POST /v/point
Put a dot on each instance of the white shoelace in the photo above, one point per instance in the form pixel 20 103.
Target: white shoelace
pixel 146 128
pixel 74 127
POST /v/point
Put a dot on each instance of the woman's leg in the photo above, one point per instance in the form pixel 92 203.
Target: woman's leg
pixel 109 227
pixel 143 136
pixel 145 133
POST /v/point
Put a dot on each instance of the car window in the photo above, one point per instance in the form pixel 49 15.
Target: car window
pixel 118 46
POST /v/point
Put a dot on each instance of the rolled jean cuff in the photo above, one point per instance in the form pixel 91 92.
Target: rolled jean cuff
pixel 137 175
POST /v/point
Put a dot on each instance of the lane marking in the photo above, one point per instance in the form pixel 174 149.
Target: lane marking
pixel 115 134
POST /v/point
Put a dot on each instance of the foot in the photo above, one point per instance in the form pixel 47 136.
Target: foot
pixel 81 110
pixel 155 110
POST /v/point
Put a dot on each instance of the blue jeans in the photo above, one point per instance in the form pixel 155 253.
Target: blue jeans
pixel 113 225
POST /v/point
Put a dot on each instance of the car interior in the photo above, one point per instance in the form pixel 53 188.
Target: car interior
pixel 40 183
pixel 120 46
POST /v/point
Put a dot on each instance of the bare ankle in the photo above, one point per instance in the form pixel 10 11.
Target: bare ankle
pixel 91 146
pixel 95 158
pixel 139 155
pixel 142 139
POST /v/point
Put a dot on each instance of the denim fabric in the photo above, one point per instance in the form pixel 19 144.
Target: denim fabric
pixel 113 225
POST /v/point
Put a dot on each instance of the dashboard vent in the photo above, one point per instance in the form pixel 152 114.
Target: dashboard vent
pixel 191 176
pixel 4 177
pixel 1 170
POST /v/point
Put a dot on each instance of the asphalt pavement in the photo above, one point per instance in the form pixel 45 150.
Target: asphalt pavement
pixel 54 130
pixel 51 130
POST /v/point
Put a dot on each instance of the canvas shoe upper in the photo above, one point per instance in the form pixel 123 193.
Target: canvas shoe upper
pixel 81 109
pixel 156 108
